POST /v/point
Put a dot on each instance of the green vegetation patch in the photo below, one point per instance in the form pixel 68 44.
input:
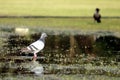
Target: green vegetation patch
pixel 79 24
pixel 59 8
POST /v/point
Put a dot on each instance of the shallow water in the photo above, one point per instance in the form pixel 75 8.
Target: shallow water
pixel 14 69
pixel 59 77
pixel 66 56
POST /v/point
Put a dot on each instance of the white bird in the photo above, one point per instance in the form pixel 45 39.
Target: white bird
pixel 36 46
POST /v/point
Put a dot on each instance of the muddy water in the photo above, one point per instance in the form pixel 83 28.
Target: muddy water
pixel 61 72
pixel 69 45
pixel 64 54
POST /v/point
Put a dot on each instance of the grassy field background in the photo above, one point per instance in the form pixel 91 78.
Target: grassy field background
pixel 58 7
pixel 78 24
pixel 62 8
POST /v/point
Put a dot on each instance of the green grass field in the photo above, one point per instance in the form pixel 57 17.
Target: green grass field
pixel 58 7
pixel 63 23
pixel 61 8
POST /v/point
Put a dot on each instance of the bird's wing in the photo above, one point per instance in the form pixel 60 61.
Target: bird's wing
pixel 38 45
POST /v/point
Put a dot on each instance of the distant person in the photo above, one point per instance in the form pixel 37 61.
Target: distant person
pixel 97 16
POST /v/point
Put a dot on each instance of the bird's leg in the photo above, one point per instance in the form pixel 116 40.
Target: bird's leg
pixel 35 57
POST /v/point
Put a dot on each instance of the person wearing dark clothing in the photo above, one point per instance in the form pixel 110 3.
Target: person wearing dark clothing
pixel 97 16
